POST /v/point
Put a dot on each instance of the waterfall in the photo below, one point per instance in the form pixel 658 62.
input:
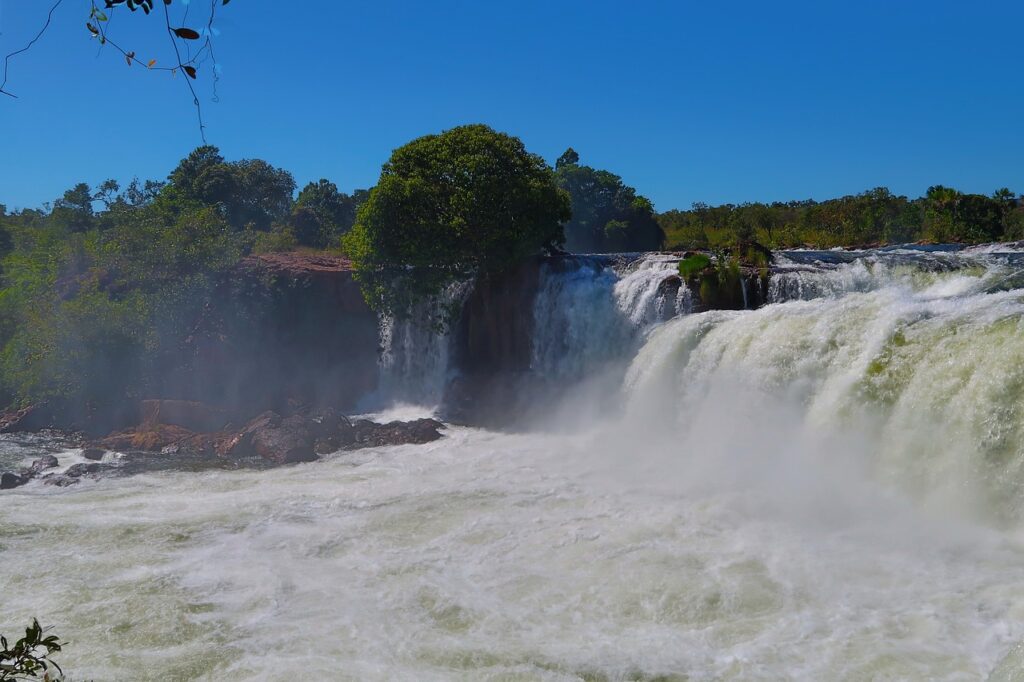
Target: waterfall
pixel 921 365
pixel 415 353
pixel 597 312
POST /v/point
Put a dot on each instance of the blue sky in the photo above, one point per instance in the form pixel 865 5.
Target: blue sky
pixel 688 101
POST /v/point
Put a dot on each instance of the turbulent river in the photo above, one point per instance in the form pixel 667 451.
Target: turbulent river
pixel 830 487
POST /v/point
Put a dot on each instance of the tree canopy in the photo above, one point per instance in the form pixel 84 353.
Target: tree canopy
pixel 447 205
pixel 607 215
pixel 876 216
pixel 322 214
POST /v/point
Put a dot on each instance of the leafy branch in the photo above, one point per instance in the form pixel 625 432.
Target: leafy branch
pixel 98 25
pixel 30 655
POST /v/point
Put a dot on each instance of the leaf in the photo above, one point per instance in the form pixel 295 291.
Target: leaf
pixel 129 57
pixel 186 33
pixel 150 64
pixel 225 2
pixel 190 70
pixel 100 16
pixel 92 29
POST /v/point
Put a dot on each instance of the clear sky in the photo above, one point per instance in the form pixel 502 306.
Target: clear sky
pixel 688 101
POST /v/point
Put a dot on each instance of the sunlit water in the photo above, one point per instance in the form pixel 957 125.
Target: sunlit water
pixel 823 489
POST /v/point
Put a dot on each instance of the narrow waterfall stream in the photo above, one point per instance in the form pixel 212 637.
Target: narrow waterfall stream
pixel 830 487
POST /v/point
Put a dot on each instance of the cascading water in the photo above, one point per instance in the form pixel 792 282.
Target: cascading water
pixel 594 311
pixel 415 358
pixel 827 488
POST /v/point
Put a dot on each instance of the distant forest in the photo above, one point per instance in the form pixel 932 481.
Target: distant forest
pixel 875 217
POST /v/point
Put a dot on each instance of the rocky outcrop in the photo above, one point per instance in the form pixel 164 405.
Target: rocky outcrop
pixel 14 479
pixel 419 431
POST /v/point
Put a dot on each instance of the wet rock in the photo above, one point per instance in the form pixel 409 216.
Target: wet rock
pixel 372 434
pixel 59 480
pixel 10 479
pixel 42 464
pixel 94 454
pixel 327 424
pixel 74 474
pixel 239 444
pixel 83 468
pixel 290 441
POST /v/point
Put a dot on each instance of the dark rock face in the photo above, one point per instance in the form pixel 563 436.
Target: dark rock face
pixel 289 330
pixel 284 330
pixel 493 343
pixel 95 454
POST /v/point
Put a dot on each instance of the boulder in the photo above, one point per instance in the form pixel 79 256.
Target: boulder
pixel 94 454
pixel 83 468
pixel 239 444
pixel 372 434
pixel 42 464
pixel 10 479
pixel 290 441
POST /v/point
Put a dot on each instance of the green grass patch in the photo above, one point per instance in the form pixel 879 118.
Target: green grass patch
pixel 693 265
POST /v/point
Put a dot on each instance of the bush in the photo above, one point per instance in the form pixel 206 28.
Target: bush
pixel 693 265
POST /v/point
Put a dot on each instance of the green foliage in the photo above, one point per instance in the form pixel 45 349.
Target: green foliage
pixel 873 217
pixel 469 199
pixel 249 193
pixel 693 265
pixel 607 215
pixel 322 214
pixel 87 314
pixel 29 657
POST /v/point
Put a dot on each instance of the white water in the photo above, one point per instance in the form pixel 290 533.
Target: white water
pixel 822 489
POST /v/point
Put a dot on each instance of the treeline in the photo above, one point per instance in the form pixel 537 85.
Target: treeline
pixel 874 217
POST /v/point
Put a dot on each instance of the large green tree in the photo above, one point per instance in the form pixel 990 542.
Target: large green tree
pixel 469 199
pixel 249 193
pixel 607 215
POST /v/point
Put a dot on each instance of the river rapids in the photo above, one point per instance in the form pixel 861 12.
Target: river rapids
pixel 830 487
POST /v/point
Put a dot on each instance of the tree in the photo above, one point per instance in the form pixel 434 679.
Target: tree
pixel 607 215
pixel 249 193
pixel 73 211
pixel 467 200
pixel 322 214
